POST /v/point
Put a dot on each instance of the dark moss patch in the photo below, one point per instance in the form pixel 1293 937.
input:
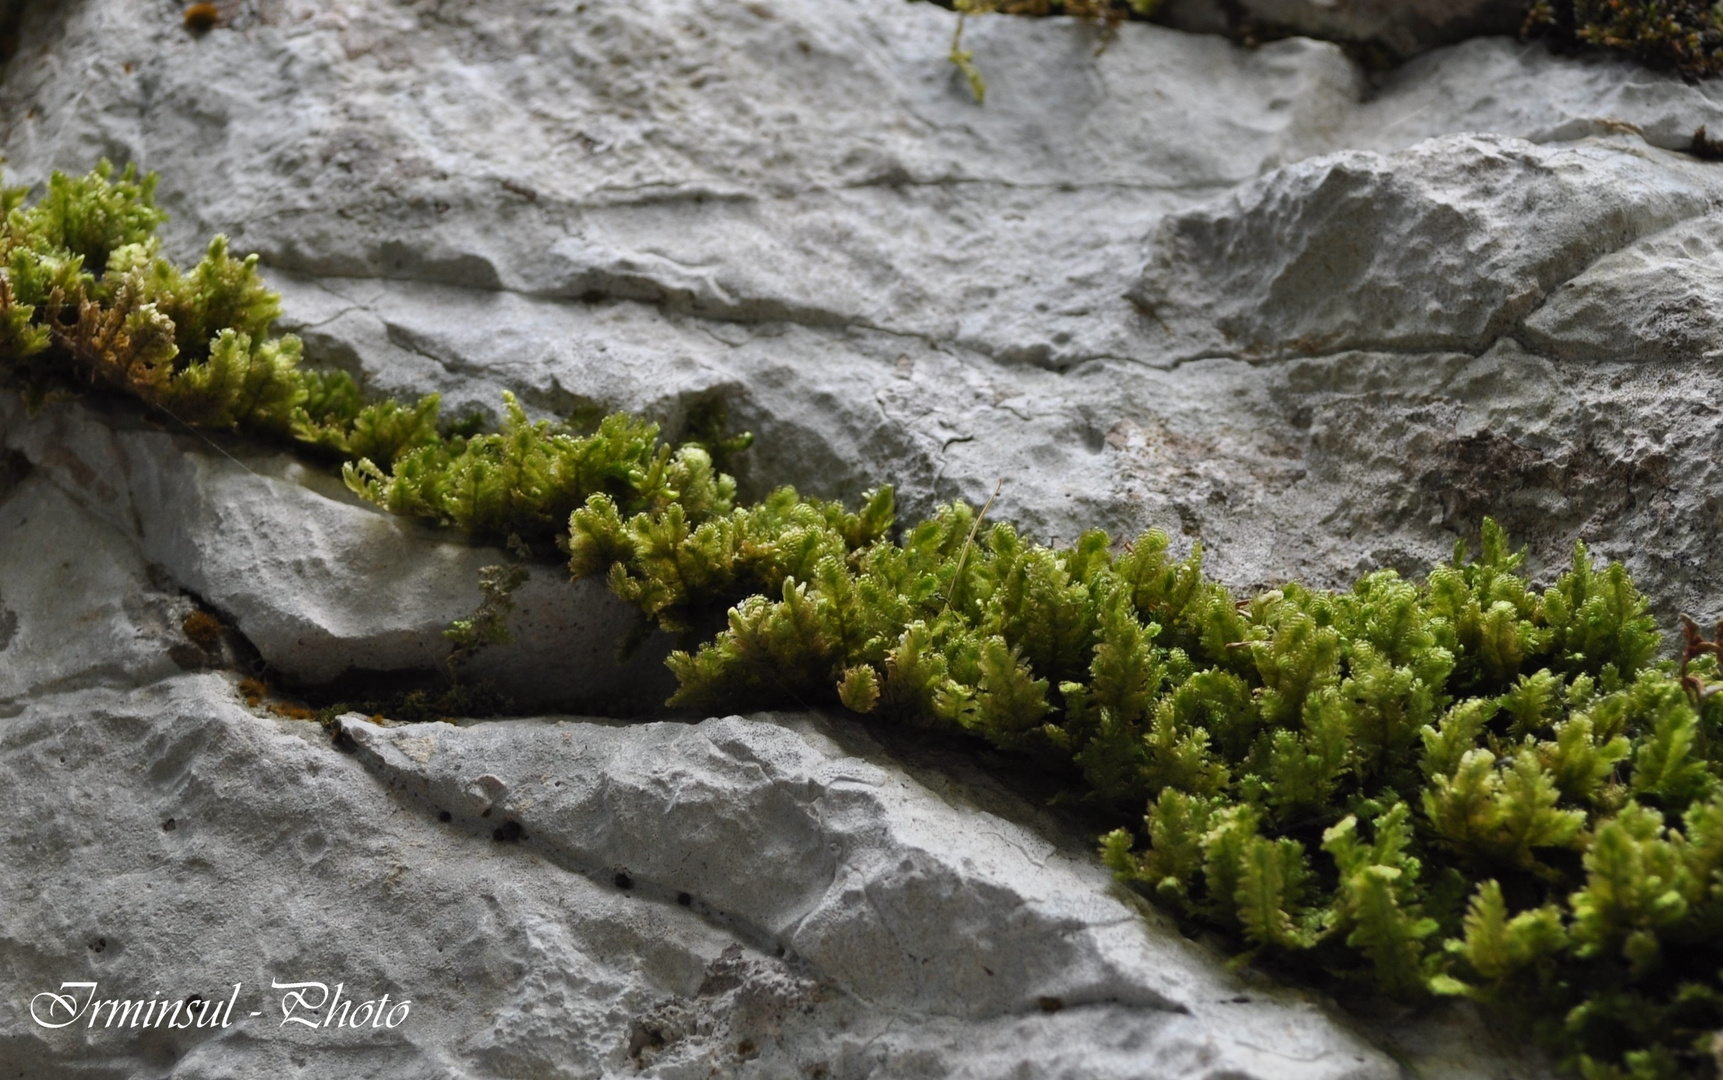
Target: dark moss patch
pixel 1704 147
pixel 1684 36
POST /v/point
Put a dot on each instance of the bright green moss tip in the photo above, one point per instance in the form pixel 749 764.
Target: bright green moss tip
pixel 1460 785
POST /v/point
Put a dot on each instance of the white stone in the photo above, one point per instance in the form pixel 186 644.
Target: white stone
pixel 322 585
pixel 1480 283
pixel 841 912
pixel 1444 246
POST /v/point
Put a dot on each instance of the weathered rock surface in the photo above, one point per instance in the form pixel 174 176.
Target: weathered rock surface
pixel 78 614
pixel 1659 300
pixel 1444 246
pixel 800 212
pixel 322 586
pixel 1320 320
pixel 842 919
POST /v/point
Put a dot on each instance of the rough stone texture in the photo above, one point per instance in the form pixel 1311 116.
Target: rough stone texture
pixel 78 615
pixel 1658 300
pixel 1444 246
pixel 1514 88
pixel 322 586
pixel 845 920
pixel 799 212
pixel 1398 28
pixel 1320 320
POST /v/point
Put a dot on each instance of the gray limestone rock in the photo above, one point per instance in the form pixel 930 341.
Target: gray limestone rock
pixel 802 214
pixel 77 607
pixel 320 584
pixel 1506 87
pixel 1319 320
pixel 519 886
pixel 1444 246
pixel 1657 301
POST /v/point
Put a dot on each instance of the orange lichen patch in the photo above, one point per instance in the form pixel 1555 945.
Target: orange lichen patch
pixel 291 711
pixel 253 691
pixel 201 17
pixel 203 629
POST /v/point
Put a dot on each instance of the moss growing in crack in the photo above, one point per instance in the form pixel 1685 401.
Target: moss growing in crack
pixel 87 301
pixel 1455 786
pixel 488 624
pixel 527 478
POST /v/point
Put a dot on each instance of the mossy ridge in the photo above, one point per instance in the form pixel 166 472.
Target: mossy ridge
pixel 87 301
pixel 1510 799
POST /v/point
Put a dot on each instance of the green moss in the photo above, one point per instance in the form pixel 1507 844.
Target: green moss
pixel 1460 785
pixel 88 301
pixel 1685 36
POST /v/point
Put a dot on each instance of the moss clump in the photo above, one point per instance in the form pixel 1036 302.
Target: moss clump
pixel 1457 786
pixel 1685 36
pixel 203 629
pixel 526 479
pixel 87 301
